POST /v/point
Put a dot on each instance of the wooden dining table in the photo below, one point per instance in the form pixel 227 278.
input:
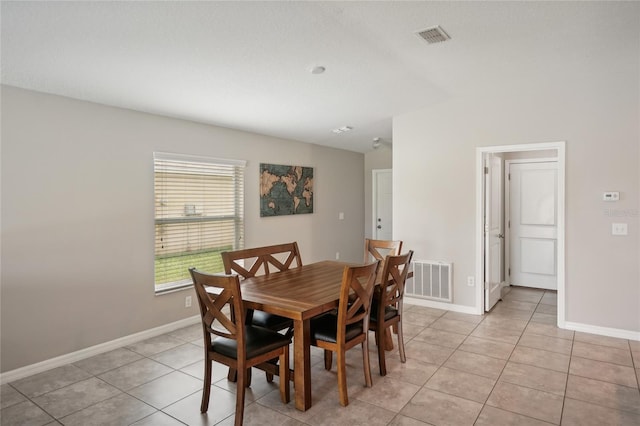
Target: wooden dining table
pixel 300 294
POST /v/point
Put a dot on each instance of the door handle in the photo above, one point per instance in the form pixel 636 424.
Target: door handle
pixel 500 236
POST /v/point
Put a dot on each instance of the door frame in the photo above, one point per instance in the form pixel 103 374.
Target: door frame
pixel 374 198
pixel 479 249
pixel 507 199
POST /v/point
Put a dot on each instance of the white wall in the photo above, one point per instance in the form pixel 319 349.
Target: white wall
pixel 77 217
pixel 590 99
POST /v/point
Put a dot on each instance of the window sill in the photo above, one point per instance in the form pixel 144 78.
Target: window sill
pixel 173 287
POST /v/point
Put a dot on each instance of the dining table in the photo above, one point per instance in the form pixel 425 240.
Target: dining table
pixel 299 294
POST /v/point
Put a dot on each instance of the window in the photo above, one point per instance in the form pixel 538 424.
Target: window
pixel 198 215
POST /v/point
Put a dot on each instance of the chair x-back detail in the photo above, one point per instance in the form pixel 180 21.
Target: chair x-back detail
pixel 379 249
pixel 341 331
pixel 230 341
pixel 386 308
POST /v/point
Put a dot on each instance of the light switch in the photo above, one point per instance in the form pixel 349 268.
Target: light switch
pixel 341 216
pixel 618 229
pixel 611 196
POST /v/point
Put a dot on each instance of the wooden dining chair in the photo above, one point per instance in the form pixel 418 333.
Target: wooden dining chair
pixel 379 249
pixel 340 331
pixel 256 261
pixel 261 261
pixel 386 311
pixel 231 341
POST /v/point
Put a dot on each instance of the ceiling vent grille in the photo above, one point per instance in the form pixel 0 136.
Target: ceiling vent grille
pixel 433 35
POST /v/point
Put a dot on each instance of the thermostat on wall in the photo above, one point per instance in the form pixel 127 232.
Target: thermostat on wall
pixel 611 196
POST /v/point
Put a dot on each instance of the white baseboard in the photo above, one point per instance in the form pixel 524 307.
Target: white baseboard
pixel 440 305
pixel 22 372
pixel 602 331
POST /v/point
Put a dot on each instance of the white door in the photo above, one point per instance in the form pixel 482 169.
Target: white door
pixel 533 224
pixel 382 205
pixel 493 233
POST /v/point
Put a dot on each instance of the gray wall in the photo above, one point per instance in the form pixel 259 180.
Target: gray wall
pixel 584 90
pixel 77 217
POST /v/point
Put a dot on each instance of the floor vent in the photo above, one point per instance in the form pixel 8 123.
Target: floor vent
pixel 431 280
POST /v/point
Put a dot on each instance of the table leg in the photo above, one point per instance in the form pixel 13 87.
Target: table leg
pixel 302 364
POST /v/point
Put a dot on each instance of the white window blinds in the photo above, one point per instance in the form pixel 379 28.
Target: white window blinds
pixel 198 214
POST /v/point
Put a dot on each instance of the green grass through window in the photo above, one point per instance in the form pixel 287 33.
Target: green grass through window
pixel 176 268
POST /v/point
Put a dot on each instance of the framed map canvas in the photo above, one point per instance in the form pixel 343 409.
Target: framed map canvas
pixel 285 190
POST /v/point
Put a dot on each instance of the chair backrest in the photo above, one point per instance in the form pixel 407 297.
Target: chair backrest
pixel 223 289
pixel 356 293
pixel 394 275
pixel 379 249
pixel 258 260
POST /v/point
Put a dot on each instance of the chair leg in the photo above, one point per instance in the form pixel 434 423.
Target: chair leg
pixel 269 377
pixel 232 375
pixel 240 392
pixel 285 396
pixel 403 357
pixel 382 364
pixel 206 390
pixel 366 363
pixel 248 378
pixel 342 378
pixel 328 359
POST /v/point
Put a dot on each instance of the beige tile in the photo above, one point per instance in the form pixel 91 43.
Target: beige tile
pixel 544 318
pixel 354 414
pixel 595 339
pixel 580 413
pixel 180 356
pixel 549 299
pixel 167 389
pixel 121 409
pixel 187 410
pixel 487 347
pixel 541 358
pixel 481 365
pixel 491 416
pixel 50 380
pixel 534 377
pixel 428 353
pixel 440 337
pixel 418 318
pixel 75 397
pixel 189 333
pixel 219 371
pixel 550 330
pixel 388 393
pixel 602 353
pixel 547 309
pixel 24 413
pixel 462 384
pixel 401 420
pixel 505 322
pixel 530 297
pixel 155 345
pixel 158 419
pixel 412 371
pixel 547 343
pixel 519 305
pixel 9 396
pixel 409 331
pixel 107 361
pixel 602 393
pixel 439 408
pixel 459 316
pixel 500 334
pixel 426 310
pixel 453 326
pixel 505 311
pixel 135 374
pixel 526 401
pixel 605 371
pixel 259 415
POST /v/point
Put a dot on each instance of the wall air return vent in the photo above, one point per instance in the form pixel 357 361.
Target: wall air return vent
pixel 433 35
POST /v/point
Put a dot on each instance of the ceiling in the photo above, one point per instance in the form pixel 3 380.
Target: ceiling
pixel 247 65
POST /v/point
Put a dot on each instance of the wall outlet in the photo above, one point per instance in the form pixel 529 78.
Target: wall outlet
pixel 619 229
pixel 471 282
pixel 187 302
pixel 337 255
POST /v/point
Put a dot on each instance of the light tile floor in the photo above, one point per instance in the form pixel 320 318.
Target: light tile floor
pixel 512 366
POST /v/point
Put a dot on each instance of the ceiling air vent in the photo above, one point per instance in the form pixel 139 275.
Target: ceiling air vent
pixel 433 35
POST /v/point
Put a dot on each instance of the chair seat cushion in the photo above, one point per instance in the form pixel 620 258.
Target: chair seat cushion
pixel 259 341
pixel 389 312
pixel 325 328
pixel 271 321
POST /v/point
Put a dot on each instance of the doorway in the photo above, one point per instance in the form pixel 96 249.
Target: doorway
pixel 483 257
pixel 382 204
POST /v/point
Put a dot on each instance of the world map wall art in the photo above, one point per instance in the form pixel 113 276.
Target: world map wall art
pixel 285 190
